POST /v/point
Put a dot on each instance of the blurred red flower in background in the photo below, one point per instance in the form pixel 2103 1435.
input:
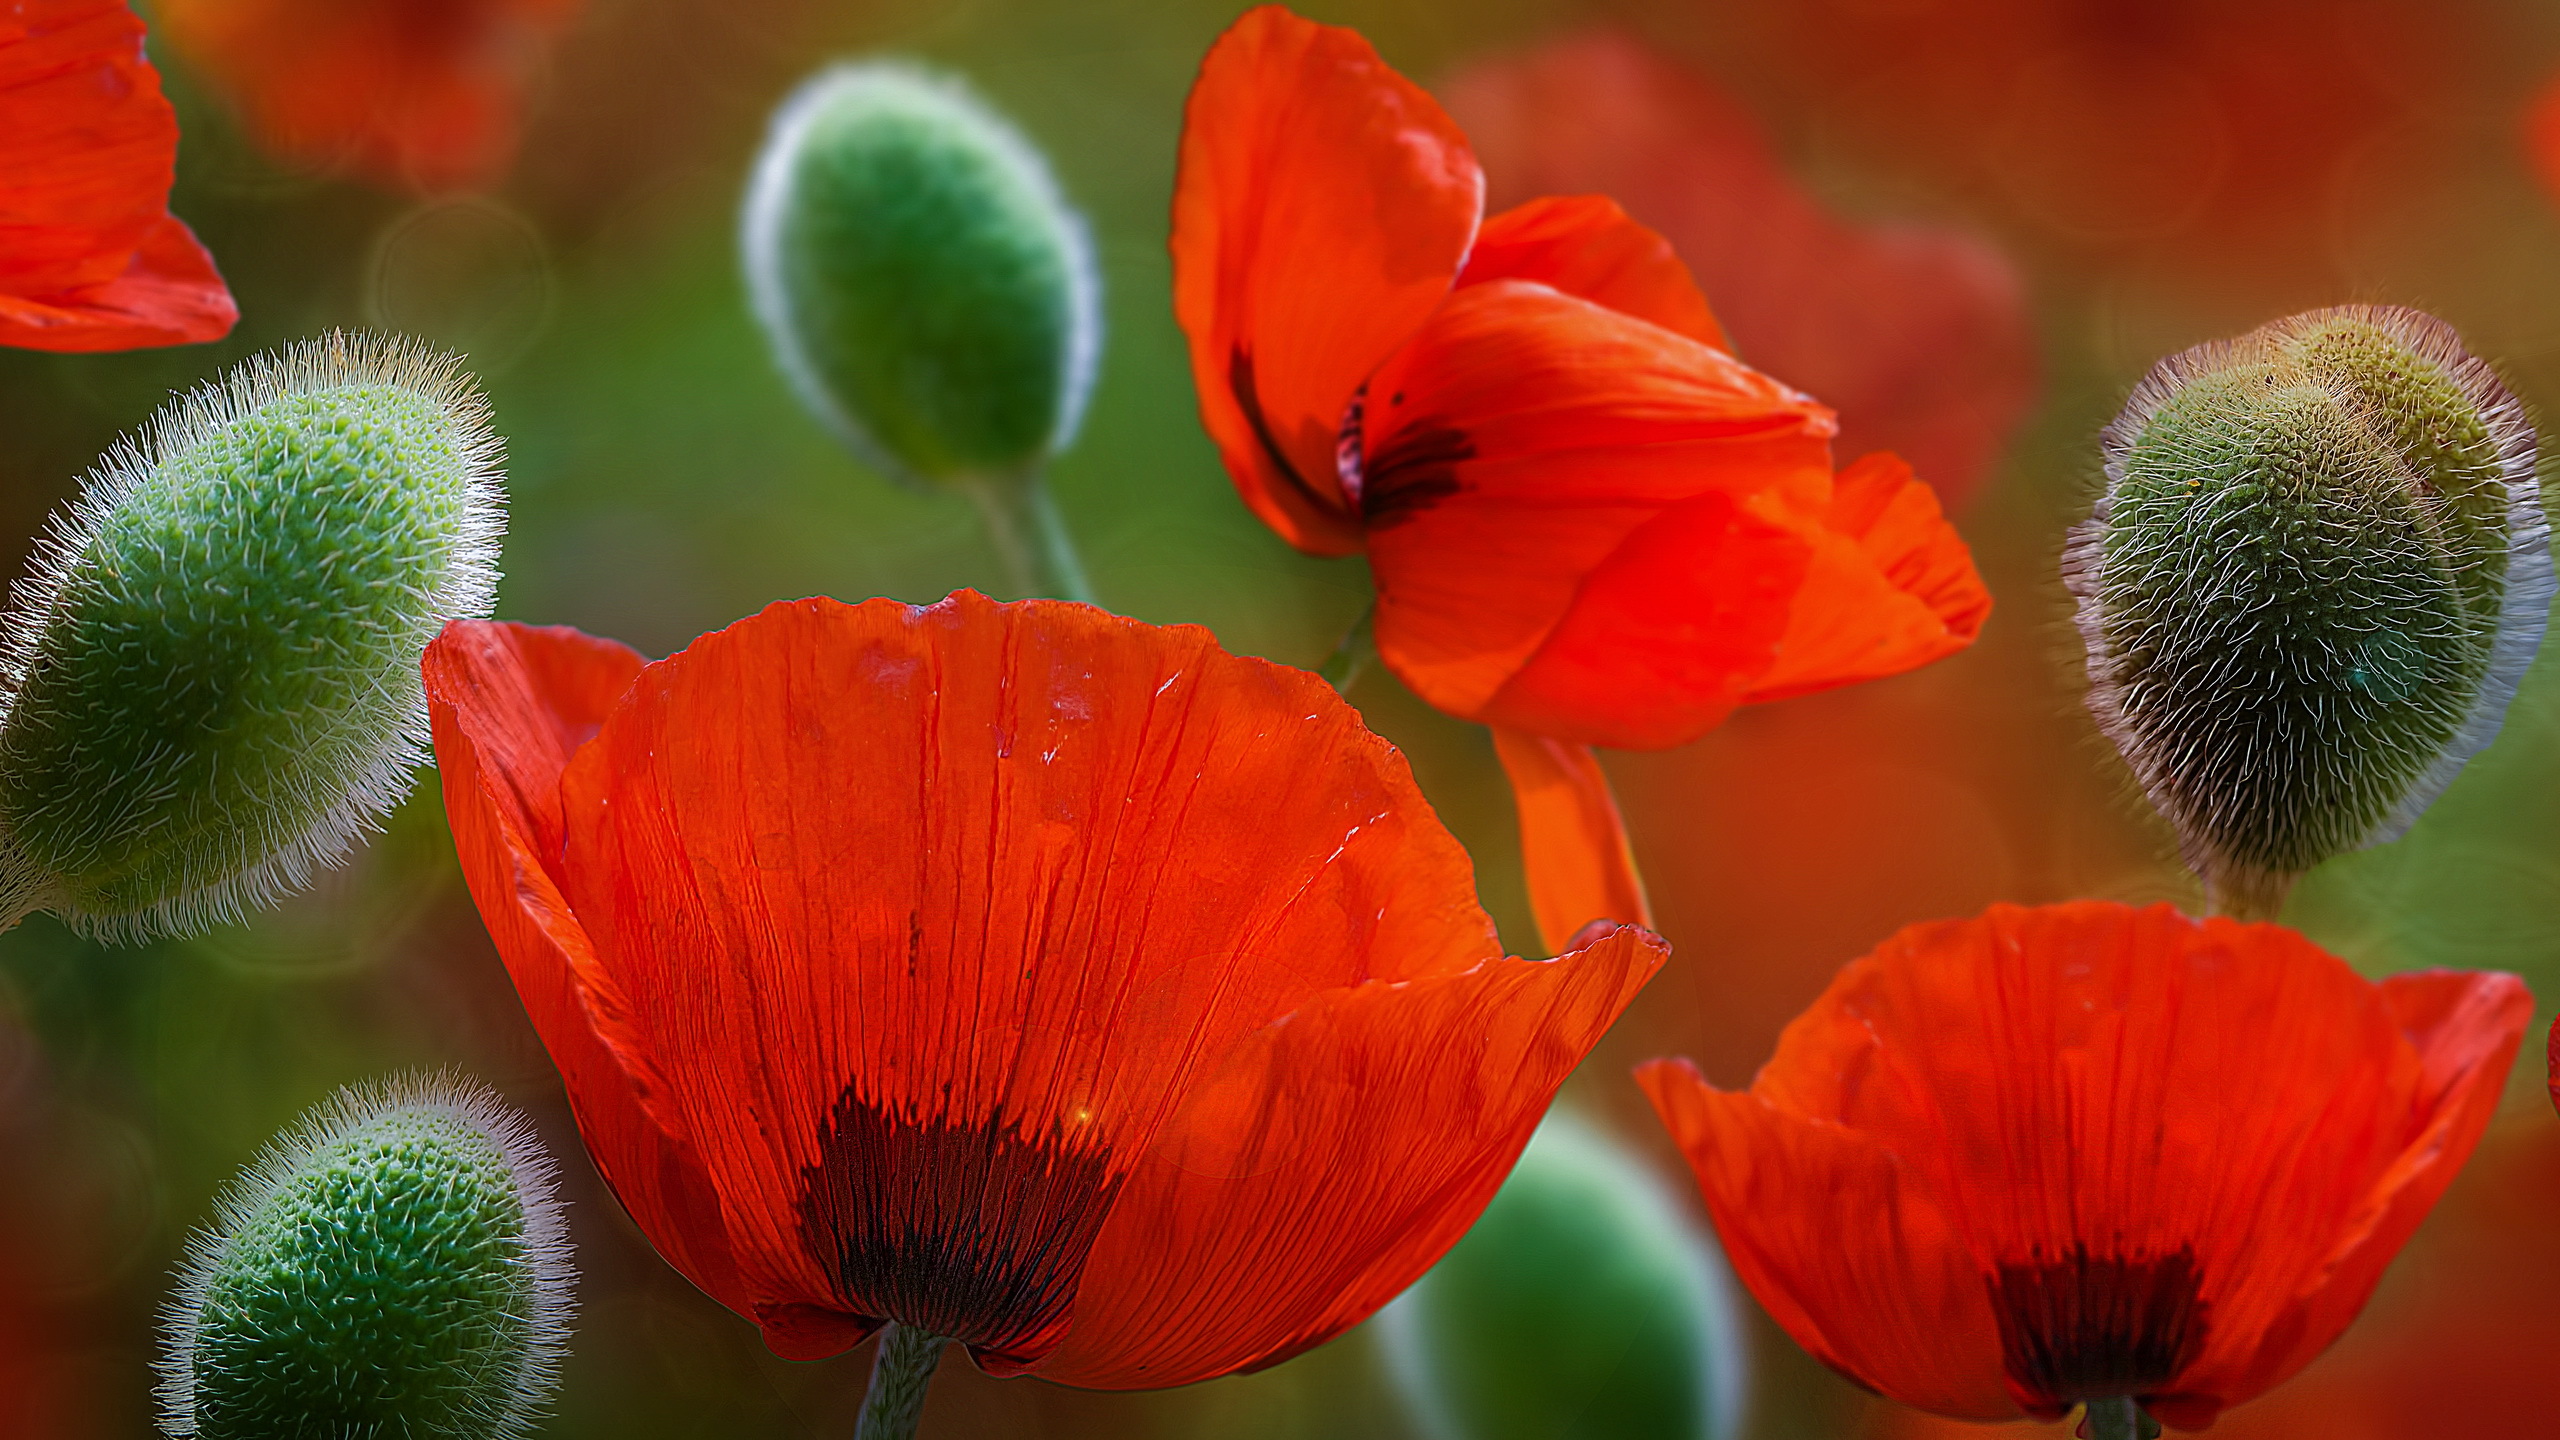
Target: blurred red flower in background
pixel 2458 1341
pixel 90 257
pixel 1587 522
pixel 1916 334
pixel 412 94
pixel 1025 975
pixel 2008 1164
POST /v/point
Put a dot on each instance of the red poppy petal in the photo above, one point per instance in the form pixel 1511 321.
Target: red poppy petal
pixel 1585 246
pixel 935 910
pixel 1572 843
pixel 2465 1028
pixel 1892 587
pixel 89 256
pixel 510 704
pixel 1330 1159
pixel 1321 209
pixel 2221 1115
pixel 1555 487
pixel 1845 1252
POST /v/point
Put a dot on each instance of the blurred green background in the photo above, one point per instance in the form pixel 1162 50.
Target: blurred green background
pixel 2158 175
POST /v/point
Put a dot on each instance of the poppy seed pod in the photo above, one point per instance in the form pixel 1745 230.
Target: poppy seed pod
pixel 1584 1305
pixel 396 1265
pixel 927 289
pixel 2318 571
pixel 211 670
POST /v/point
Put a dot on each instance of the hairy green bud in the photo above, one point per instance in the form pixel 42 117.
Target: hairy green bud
pixel 396 1265
pixel 1584 1305
pixel 928 291
pixel 2317 573
pixel 210 677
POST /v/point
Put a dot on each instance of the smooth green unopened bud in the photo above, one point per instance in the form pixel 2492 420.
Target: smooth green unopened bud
pixel 211 673
pixel 395 1266
pixel 1584 1305
pixel 2317 573
pixel 926 288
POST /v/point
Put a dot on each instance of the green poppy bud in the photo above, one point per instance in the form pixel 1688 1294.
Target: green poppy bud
pixel 1584 1305
pixel 927 290
pixel 210 677
pixel 397 1265
pixel 2318 571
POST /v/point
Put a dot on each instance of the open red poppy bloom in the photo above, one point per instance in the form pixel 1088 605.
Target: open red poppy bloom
pixel 1028 976
pixel 1917 334
pixel 90 257
pixel 1588 523
pixel 413 94
pixel 2083 1152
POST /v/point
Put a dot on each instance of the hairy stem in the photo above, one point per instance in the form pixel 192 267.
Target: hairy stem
pixel 2117 1419
pixel 1359 646
pixel 899 1374
pixel 1031 536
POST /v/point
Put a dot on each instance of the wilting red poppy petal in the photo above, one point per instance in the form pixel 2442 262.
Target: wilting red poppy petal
pixel 1891 587
pixel 1585 246
pixel 1330 1160
pixel 510 703
pixel 2172 1156
pixel 90 258
pixel 414 94
pixel 914 927
pixel 1321 209
pixel 1583 525
pixel 1572 843
pixel 1918 336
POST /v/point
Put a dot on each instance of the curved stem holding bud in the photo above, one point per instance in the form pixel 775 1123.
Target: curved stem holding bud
pixel 1358 646
pixel 2118 1418
pixel 1031 536
pixel 900 1373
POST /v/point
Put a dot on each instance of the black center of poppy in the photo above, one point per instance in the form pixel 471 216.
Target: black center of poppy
pixel 2083 1326
pixel 1413 472
pixel 969 1229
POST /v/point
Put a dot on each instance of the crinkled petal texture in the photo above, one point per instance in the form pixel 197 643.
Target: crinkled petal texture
pixel 90 258
pixel 1039 978
pixel 1322 208
pixel 412 94
pixel 1587 526
pixel 2011 1163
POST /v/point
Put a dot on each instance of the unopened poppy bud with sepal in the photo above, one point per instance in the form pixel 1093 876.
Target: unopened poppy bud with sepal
pixel 2318 571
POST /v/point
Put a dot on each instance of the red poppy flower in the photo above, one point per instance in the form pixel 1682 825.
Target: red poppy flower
pixel 2009 1164
pixel 1917 334
pixel 1588 523
pixel 1022 974
pixel 90 257
pixel 2542 135
pixel 2458 1341
pixel 417 94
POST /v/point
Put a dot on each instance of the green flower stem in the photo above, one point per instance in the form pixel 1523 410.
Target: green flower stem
pixel 1359 646
pixel 2117 1419
pixel 1031 536
pixel 899 1374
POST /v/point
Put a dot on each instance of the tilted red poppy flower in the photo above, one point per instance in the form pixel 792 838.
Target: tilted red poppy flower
pixel 2084 1152
pixel 1588 523
pixel 411 94
pixel 1022 974
pixel 1917 334
pixel 90 257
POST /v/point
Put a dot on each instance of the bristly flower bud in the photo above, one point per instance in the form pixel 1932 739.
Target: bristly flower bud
pixel 1584 1305
pixel 210 676
pixel 927 289
pixel 396 1265
pixel 2317 573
